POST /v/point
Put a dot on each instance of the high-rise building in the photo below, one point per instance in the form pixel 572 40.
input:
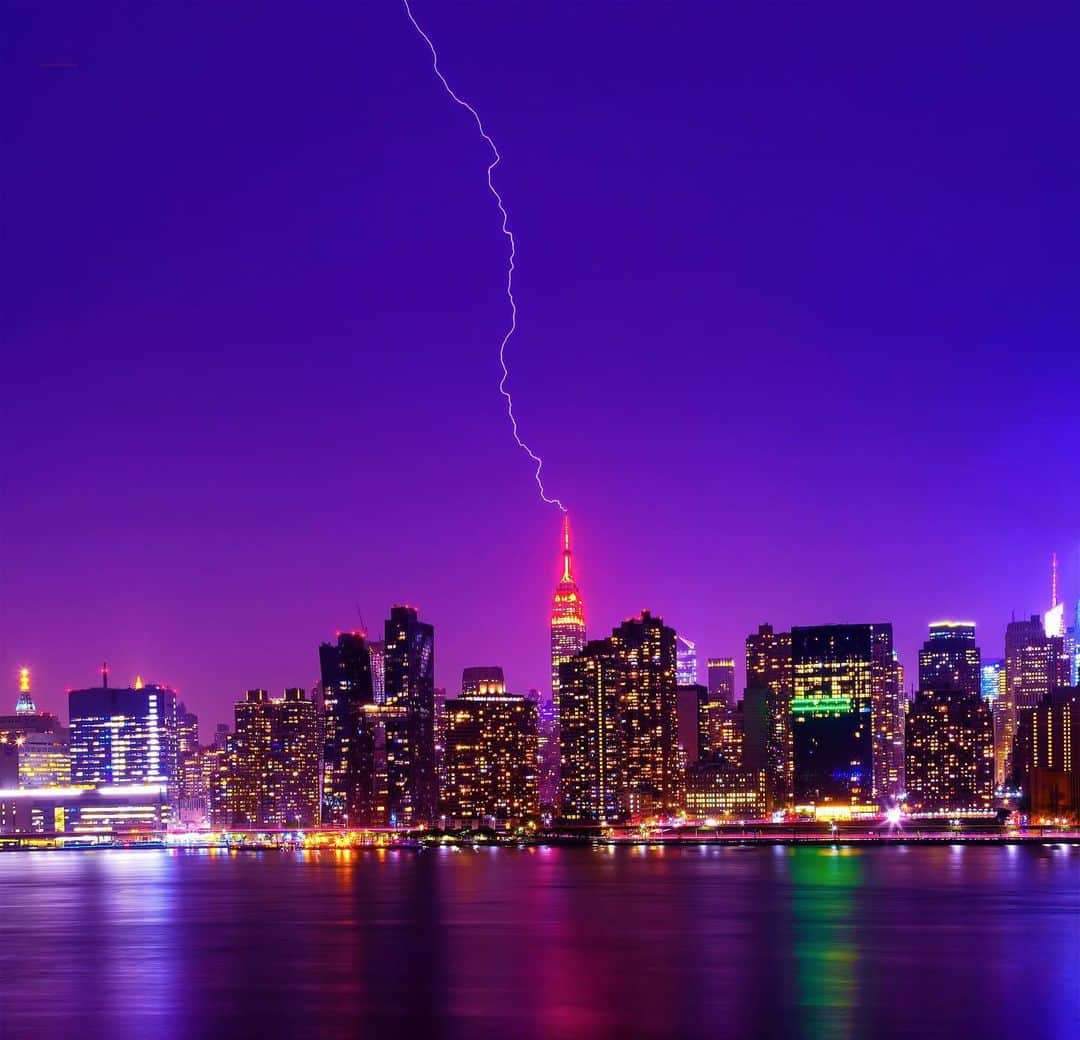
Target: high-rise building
pixel 36 744
pixel 1035 665
pixel 491 756
pixel 187 748
pixel 567 616
pixel 769 668
pixel 950 659
pixel 412 780
pixel 722 680
pixel 949 737
pixel 377 655
pixel 274 762
pixel 1048 751
pixel 685 662
pixel 348 780
pixel 123 737
pixel 720 733
pixel 590 736
pixel 992 680
pixel 653 781
pixel 620 752
pixel 847 724
pixel 487 676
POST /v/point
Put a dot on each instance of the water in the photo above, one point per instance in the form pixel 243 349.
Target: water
pixel 741 942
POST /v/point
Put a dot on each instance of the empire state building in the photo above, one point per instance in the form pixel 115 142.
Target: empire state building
pixel 567 617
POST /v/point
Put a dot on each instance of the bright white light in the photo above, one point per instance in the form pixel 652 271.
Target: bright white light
pixel 893 816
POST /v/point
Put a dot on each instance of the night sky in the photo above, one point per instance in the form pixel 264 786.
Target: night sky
pixel 798 326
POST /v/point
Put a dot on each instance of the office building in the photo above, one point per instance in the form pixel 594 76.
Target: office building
pixel 722 680
pixel 949 740
pixel 847 725
pixel 950 659
pixel 123 736
pixel 491 757
pixel 412 780
pixel 769 668
pixel 274 762
pixel 685 662
pixel 348 780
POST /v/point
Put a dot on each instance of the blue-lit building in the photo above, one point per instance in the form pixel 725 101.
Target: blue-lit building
pixel 123 737
pixel 991 679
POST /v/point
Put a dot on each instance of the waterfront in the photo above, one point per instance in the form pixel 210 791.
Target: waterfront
pixel 787 942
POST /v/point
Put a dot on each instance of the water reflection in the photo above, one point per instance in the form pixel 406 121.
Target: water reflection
pixel 542 942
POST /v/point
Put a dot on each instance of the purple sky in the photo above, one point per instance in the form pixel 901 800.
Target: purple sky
pixel 798 326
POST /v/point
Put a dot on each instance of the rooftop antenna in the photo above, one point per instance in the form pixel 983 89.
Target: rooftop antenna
pixel 104 675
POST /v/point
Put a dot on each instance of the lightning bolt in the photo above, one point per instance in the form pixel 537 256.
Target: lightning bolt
pixel 537 476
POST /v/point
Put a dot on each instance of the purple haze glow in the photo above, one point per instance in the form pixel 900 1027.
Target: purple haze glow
pixel 797 327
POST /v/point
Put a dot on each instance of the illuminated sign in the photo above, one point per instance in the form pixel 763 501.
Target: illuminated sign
pixel 814 705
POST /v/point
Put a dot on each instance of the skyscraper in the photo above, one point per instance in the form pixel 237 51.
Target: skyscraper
pixel 722 680
pixel 590 736
pixel 653 780
pixel 846 722
pixel 274 762
pixel 620 745
pixel 769 668
pixel 123 737
pixel 348 784
pixel 567 616
pixel 991 680
pixel 1035 664
pixel 949 659
pixel 412 781
pixel 491 755
pixel 685 662
pixel 949 740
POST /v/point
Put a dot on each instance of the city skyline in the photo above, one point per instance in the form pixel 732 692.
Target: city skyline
pixel 993 647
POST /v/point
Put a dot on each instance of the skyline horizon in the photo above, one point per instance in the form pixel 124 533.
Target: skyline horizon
pixel 704 652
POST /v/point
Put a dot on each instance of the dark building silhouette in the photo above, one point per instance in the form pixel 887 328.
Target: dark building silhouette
pixel 1047 760
pixel 349 784
pixel 273 767
pixel 847 725
pixel 412 782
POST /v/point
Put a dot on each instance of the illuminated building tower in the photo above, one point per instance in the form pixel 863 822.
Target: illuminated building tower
pixel 590 736
pixel 187 747
pixel 949 659
pixel 567 617
pixel 35 742
pixel 1048 754
pixel 1035 664
pixel 685 662
pixel 1054 619
pixel 377 653
pixel 25 704
pixel 991 680
pixel 487 675
pixel 847 728
pixel 412 780
pixel 720 733
pixel 491 756
pixel 722 680
pixel 768 667
pixel 949 741
pixel 348 781
pixel 652 779
pixel 693 706
pixel 275 762
pixel 123 736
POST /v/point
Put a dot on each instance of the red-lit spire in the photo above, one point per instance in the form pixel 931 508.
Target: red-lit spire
pixel 567 574
pixel 1053 581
